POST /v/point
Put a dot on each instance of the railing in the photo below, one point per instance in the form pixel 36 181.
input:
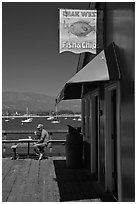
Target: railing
pixel 5 132
pixel 31 140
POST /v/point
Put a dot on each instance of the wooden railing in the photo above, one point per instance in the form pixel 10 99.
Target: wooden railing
pixel 5 132
pixel 29 140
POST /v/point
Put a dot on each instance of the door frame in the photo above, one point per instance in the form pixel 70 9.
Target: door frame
pixel 108 167
pixel 93 95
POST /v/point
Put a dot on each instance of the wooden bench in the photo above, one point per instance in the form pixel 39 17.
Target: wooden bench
pixel 14 147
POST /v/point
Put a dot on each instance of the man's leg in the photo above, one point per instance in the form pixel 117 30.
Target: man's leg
pixel 41 147
pixel 36 149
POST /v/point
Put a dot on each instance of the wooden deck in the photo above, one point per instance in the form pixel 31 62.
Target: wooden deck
pixel 47 180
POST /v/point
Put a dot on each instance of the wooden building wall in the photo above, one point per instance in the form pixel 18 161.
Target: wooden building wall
pixel 119 25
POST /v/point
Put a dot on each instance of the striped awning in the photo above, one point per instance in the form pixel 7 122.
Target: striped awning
pixel 104 67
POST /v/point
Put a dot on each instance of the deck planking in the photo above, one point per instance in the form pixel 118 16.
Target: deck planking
pixel 29 180
pixel 17 191
pixel 9 181
pixel 6 166
pixel 47 180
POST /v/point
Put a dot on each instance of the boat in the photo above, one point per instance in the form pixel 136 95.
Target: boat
pixel 79 119
pixel 55 120
pixel 28 120
pixel 50 118
pixel 74 119
pixel 7 120
pixel 7 117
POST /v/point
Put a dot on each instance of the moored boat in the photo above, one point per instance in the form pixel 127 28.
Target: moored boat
pixel 28 120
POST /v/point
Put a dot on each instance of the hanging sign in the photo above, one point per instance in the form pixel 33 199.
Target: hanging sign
pixel 77 32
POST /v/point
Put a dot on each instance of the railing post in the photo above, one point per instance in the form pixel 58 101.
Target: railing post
pixel 5 136
pixel 50 145
pixel 4 145
pixel 28 148
pixel 14 147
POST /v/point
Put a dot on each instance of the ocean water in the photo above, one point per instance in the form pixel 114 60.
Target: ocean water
pixel 16 124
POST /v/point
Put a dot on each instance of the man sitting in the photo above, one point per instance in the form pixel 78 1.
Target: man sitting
pixel 43 137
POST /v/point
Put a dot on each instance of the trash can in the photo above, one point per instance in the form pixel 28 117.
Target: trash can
pixel 74 148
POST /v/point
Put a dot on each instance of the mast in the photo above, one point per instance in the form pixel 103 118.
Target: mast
pixel 27 112
pixel 56 110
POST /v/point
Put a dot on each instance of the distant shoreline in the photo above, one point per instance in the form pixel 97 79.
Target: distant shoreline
pixel 44 116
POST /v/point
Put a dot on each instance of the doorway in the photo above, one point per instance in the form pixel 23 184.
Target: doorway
pixel 111 138
pixel 114 143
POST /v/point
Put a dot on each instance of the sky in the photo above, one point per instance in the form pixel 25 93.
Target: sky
pixel 30 47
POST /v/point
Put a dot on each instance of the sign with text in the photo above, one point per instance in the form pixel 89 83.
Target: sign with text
pixel 78 29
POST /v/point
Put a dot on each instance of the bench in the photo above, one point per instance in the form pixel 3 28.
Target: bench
pixel 15 146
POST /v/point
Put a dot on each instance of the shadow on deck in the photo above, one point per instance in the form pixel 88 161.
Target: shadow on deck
pixel 78 185
pixel 48 180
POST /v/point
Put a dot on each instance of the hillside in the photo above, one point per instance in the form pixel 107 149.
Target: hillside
pixel 14 101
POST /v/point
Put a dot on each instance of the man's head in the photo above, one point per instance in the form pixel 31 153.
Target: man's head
pixel 40 127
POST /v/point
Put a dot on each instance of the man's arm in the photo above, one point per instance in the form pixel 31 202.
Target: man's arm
pixel 44 137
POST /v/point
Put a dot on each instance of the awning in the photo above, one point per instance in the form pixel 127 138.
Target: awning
pixel 104 67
